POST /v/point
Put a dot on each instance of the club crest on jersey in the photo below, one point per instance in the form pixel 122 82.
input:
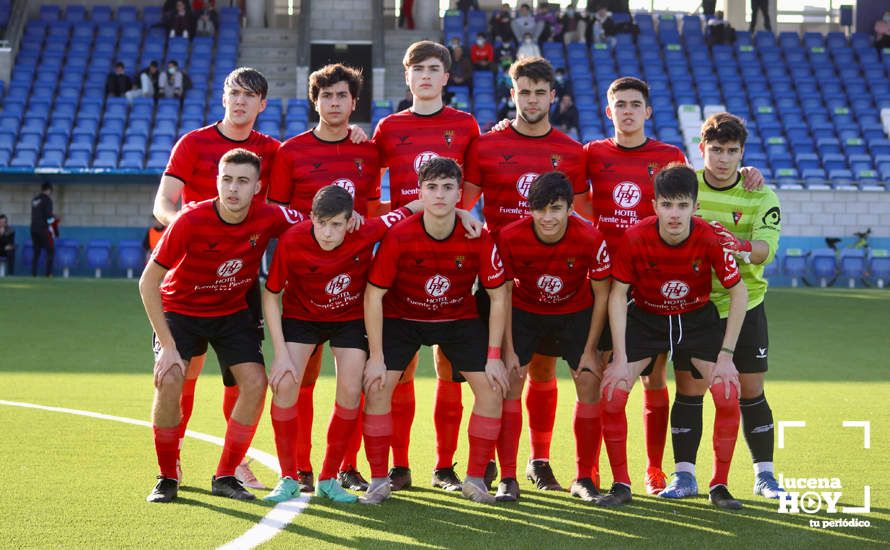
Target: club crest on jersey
pixel 254 237
pixel 627 194
pixel 459 261
pixel 551 284
pixel 437 285
pixel 229 267
pixel 674 290
pixel 696 265
pixel 570 262
pixel 449 137
pixel 345 184
pixel 422 159
pixel 359 165
pixel 554 160
pixel 524 183
pixel 736 216
pixel 651 168
pixel 338 284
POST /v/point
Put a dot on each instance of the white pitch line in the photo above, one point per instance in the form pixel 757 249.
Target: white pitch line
pixel 270 525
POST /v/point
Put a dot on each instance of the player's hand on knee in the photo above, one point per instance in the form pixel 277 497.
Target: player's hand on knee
pixel 616 376
pixel 496 373
pixel 168 359
pixel 355 222
pixel 589 364
pixel 501 125
pixel 374 375
pixel 511 363
pixel 282 367
pixel 357 134
pixel 724 371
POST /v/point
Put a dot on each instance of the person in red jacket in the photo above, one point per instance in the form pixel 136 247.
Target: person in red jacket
pixel 482 54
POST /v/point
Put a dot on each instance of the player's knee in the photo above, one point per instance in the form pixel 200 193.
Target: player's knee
pixel 618 402
pixel 721 402
pixel 587 386
pixel 253 384
pixel 171 384
pixel 752 385
pixel 542 368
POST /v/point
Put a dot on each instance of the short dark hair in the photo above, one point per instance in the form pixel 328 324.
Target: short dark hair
pixel 675 181
pixel 329 75
pixel 628 83
pixel 241 156
pixel 438 167
pixel 3 217
pixel 173 62
pixel 549 188
pixel 249 79
pixel 330 201
pixel 119 64
pixel 723 128
pixel 534 68
pixel 153 63
pixel 426 49
pixel 46 187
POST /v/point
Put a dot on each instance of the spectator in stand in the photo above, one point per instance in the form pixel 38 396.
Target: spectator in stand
pixel 152 236
pixel 882 31
pixel 180 21
pixel 482 54
pixel 170 81
pixel 707 8
pixel 503 83
pixel 525 23
pixel 42 232
pixel 406 102
pixel 574 25
pixel 200 7
pixel 455 42
pixel 500 24
pixel 118 82
pixel 149 80
pixel 761 6
pixel 406 15
pixel 562 85
pixel 506 53
pixel 547 18
pixel 719 31
pixel 603 27
pixel 466 5
pixel 461 72
pixel 7 246
pixel 565 117
pixel 205 25
pixel 528 48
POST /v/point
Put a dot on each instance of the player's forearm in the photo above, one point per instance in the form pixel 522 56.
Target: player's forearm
pixel 738 306
pixel 508 318
pixel 759 252
pixel 150 292
pixel 470 195
pixel 378 207
pixel 497 316
pixel 618 318
pixel 272 315
pixel 165 210
pixel 374 321
pixel 583 206
pixel 598 316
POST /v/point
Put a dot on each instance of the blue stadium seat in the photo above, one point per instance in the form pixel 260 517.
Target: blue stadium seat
pixel 853 263
pixel 130 257
pixel 879 266
pixel 98 255
pixel 794 265
pixel 67 255
pixel 101 14
pixel 823 265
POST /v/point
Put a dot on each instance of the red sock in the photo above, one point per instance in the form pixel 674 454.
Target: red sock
pixel 540 402
pixel 305 414
pixel 350 455
pixel 402 418
pixel 378 435
pixel 167 449
pixel 448 409
pixel 508 440
pixel 340 429
pixel 598 439
pixel 726 431
pixel 614 421
pixel 238 438
pixel 483 434
pixel 230 397
pixel 656 410
pixel 186 404
pixel 588 427
pixel 285 426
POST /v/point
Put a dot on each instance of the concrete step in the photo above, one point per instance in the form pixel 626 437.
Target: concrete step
pixel 268 37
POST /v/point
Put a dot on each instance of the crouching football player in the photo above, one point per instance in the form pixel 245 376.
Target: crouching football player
pixel 667 260
pixel 558 280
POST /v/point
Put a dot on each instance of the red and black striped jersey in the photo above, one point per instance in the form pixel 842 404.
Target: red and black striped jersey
pixel 306 163
pixel 553 278
pixel 621 181
pixel 407 140
pixel 326 285
pixel 213 263
pixel 505 163
pixel 194 160
pixel 670 279
pixel 432 280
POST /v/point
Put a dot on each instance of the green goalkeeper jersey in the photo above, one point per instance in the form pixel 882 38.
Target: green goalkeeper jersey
pixel 749 215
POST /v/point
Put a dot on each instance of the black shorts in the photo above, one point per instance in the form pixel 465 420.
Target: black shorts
pixel 464 343
pixel 233 338
pixel 567 332
pixel 546 345
pixel 696 332
pixel 341 334
pixel 255 306
pixel 750 349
